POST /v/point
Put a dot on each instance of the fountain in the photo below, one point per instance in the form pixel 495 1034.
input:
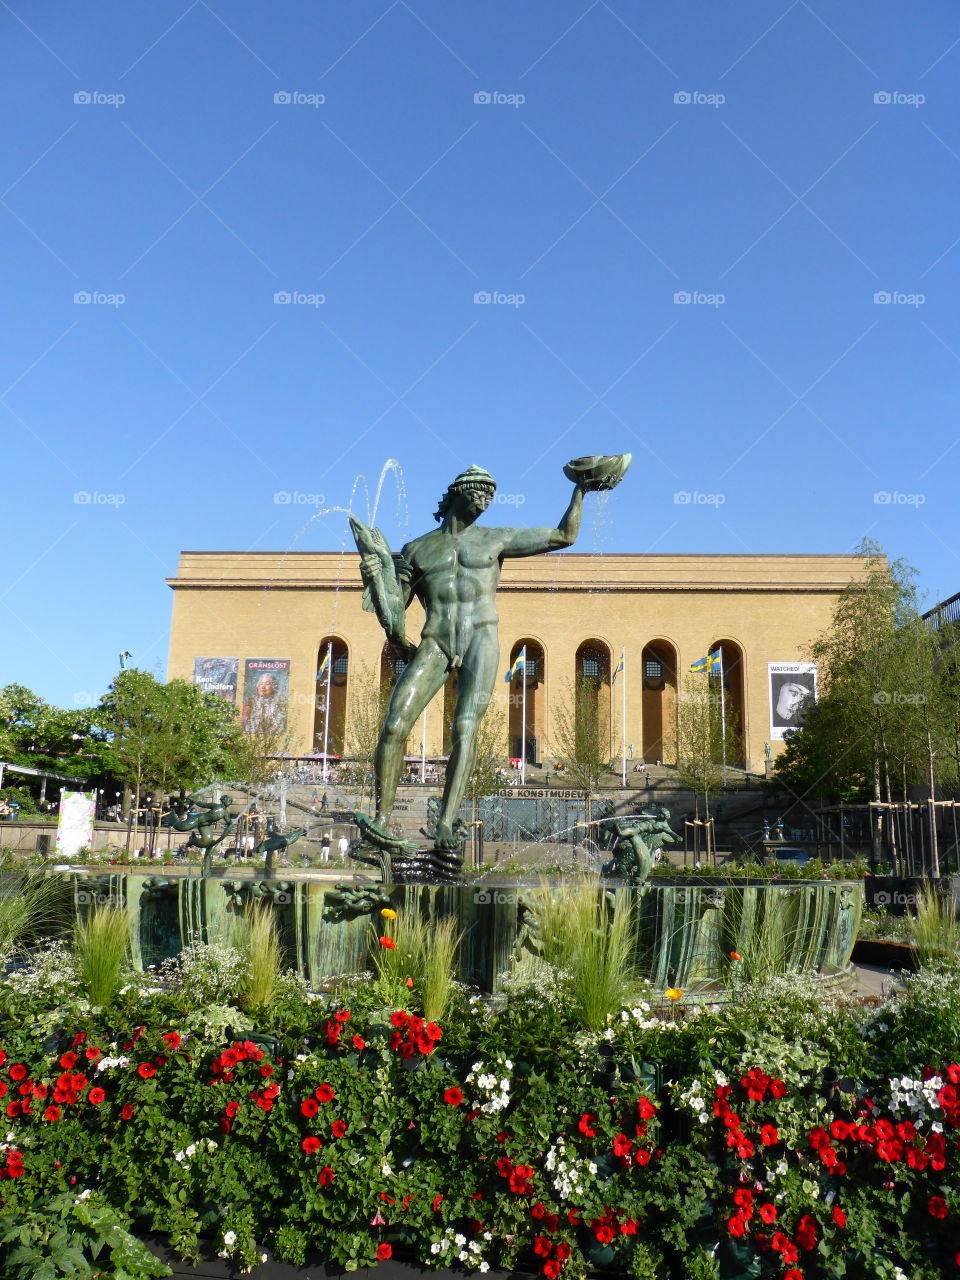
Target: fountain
pixel 689 930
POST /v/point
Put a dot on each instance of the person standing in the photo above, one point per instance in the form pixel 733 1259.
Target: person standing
pixel 343 844
pixel 325 849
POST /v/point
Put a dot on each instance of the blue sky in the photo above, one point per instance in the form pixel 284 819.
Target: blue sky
pixel 620 158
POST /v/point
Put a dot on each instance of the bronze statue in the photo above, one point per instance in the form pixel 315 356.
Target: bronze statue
pixel 454 572
pixel 635 842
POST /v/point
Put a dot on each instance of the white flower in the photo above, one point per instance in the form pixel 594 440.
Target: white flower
pixel 484 1266
pixel 85 1195
pixel 460 1240
pixel 229 1239
pixel 435 1247
pixel 386 1170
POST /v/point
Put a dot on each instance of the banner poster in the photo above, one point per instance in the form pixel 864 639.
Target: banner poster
pixel 217 675
pixel 793 687
pixel 266 691
pixel 75 825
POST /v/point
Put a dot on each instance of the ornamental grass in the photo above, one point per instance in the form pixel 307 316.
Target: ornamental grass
pixel 255 936
pixel 412 953
pixel 31 904
pixel 101 942
pixel 936 929
pixel 588 935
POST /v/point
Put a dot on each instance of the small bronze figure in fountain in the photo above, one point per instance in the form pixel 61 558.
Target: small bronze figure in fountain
pixel 454 572
pixel 635 841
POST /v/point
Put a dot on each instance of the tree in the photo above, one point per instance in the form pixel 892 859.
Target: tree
pixel 582 739
pixel 172 736
pixel 703 741
pixel 369 700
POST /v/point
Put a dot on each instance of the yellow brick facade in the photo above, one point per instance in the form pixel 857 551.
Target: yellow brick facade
pixel 284 605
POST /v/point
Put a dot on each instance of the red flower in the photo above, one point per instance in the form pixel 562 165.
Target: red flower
pixel 324 1093
pixel 338 1128
pixel 146 1070
pixel 231 1109
pixel 743 1198
pixel 399 1018
pixel 18 1071
pixel 604 1234
pixel 432 1031
pixel 453 1096
pixel 311 1144
pixel 93 1053
pixel 127 1111
pixel 308 1107
pixel 737 1226
pixel 839 1217
pixel 96 1096
pixel 645 1109
pixel 562 1251
pixel 583 1124
pixel 777 1089
pixel 388 944
pixel 551 1269
pixel 67 1060
pixel 359 1043
pixel 171 1039
pixel 542 1246
pixel 325 1176
pixel 622 1146
pixel 937 1207
pixel 437 1200
pixel 793 1274
pixel 769 1134
pixel 342 1015
pixel 768 1213
pixel 52 1113
pixel 384 1251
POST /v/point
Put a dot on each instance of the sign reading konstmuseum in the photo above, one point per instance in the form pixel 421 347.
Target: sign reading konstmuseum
pixel 540 793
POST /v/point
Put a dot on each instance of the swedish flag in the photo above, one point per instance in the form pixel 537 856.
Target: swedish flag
pixel 323 665
pixel 518 662
pixel 613 678
pixel 709 664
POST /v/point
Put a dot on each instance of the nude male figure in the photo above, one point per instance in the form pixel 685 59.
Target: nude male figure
pixel 454 572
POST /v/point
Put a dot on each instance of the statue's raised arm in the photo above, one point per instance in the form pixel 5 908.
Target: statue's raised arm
pixel 386 581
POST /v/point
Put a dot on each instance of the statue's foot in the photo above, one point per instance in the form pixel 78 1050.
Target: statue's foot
pixel 447 839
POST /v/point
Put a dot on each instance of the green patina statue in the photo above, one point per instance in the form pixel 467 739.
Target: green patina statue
pixel 635 842
pixel 454 572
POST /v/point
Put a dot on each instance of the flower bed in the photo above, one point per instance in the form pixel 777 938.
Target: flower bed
pixel 781 1136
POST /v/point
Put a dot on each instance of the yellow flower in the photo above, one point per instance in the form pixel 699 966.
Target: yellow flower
pixel 388 913
pixel 673 993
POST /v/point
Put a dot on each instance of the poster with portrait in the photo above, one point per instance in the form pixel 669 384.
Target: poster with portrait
pixel 266 692
pixel 75 822
pixel 217 675
pixel 793 687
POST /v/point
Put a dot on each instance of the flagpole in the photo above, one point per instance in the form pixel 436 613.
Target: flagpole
pixel 423 748
pixel 623 716
pixel 523 724
pixel 723 720
pixel 326 716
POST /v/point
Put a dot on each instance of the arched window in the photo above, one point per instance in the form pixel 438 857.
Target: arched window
pixel 333 670
pixel 658 706
pixel 533 675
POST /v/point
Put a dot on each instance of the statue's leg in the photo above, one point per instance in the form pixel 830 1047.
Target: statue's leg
pixel 421 680
pixel 475 683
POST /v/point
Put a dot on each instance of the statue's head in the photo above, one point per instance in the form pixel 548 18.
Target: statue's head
pixel 474 483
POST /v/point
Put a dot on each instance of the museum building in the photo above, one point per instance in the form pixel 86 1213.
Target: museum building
pixel 279 634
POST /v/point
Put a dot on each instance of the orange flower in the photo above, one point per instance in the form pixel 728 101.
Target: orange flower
pixel 673 993
pixel 388 944
pixel 735 955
